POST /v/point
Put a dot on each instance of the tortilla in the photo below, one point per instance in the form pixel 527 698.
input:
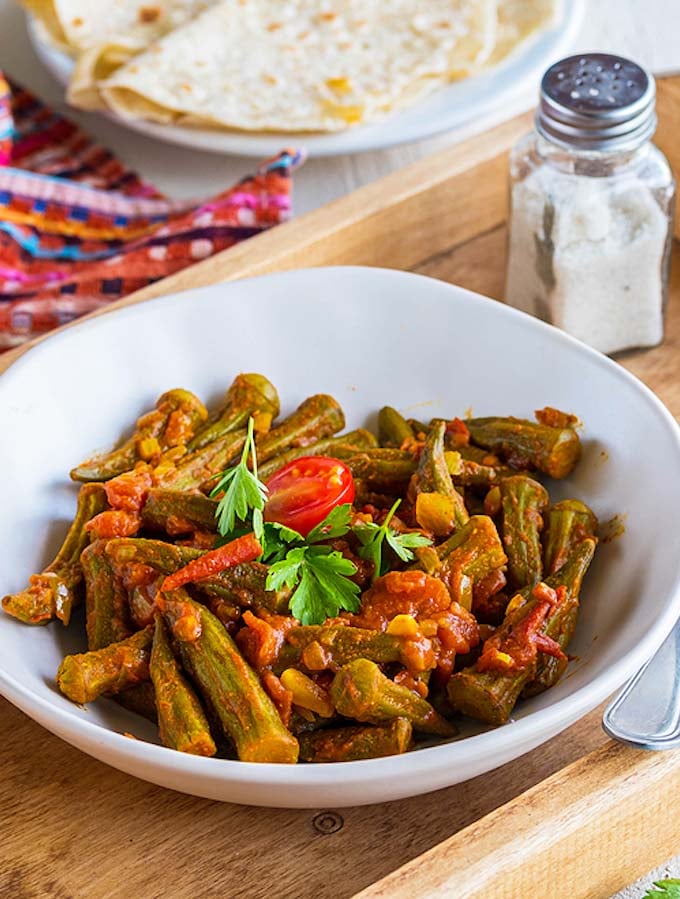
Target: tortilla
pixel 520 21
pixel 303 65
pixel 102 39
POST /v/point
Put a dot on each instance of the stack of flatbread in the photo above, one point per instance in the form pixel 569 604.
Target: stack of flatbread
pixel 279 65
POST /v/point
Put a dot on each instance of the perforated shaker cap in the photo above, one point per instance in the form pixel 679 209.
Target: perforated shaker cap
pixel 597 102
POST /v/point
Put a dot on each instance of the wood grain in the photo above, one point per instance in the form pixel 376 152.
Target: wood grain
pixel 583 833
pixel 72 827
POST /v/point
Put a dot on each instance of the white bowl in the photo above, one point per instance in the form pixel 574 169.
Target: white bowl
pixel 369 337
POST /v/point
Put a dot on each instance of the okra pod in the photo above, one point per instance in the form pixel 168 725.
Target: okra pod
pixel 84 677
pixel 490 696
pixel 348 744
pixel 172 422
pixel 393 429
pixel 54 592
pixel 200 467
pixel 550 669
pixel 479 467
pixel 365 495
pixel 432 476
pixel 465 559
pixel 419 428
pixel 139 699
pixel 142 602
pixel 125 553
pixel 382 474
pixel 318 648
pixel 361 691
pixel 227 682
pixel 340 447
pixel 317 417
pixel 106 601
pixel 523 502
pixel 570 523
pixel 178 512
pixel 182 723
pixel 242 585
pixel 567 524
pixel 249 394
pixel 526 444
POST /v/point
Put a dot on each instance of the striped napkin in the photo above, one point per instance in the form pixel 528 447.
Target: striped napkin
pixel 78 229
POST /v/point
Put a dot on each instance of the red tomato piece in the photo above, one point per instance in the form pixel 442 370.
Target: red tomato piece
pixel 303 492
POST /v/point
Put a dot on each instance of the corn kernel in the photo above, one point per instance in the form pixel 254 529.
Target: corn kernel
pixel 428 627
pixel 306 693
pixel 504 658
pixel 515 603
pixel 403 626
pixel 435 512
pixel 262 422
pixel 454 462
pixel 148 448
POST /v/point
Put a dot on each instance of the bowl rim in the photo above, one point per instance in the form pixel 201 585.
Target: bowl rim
pixel 516 733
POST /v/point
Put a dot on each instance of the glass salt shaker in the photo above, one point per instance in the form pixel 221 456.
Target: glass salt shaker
pixel 591 206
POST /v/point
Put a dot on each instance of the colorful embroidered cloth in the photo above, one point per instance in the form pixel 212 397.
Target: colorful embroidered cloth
pixel 78 229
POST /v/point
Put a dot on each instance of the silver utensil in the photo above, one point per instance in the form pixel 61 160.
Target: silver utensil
pixel 646 713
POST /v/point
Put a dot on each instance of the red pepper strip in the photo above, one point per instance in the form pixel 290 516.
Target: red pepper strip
pixel 459 432
pixel 518 648
pixel 545 593
pixel 550 647
pixel 243 549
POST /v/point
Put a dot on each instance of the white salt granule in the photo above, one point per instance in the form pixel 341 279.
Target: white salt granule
pixel 586 254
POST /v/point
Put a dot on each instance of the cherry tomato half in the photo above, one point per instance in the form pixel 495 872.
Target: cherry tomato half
pixel 303 492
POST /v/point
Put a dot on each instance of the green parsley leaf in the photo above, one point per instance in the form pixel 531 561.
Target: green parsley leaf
pixel 371 536
pixel 319 577
pixel 402 544
pixel 277 539
pixel 244 493
pixel 667 889
pixel 286 573
pixel 335 524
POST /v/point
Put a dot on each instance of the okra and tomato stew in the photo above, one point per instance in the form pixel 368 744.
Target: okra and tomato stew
pixel 281 589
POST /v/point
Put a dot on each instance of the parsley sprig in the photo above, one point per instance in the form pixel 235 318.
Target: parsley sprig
pixel 667 889
pixel 244 493
pixel 373 536
pixel 318 575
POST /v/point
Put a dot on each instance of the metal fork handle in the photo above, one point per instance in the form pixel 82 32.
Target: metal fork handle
pixel 646 713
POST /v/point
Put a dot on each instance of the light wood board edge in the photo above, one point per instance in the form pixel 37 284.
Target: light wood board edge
pixel 667 137
pixel 399 221
pixel 396 222
pixel 584 833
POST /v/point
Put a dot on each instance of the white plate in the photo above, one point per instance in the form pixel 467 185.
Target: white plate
pixel 369 337
pixel 443 111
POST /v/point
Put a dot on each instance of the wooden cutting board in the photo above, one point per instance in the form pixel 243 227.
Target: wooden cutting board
pixel 577 818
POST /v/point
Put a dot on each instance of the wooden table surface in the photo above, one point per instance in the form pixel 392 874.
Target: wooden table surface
pixel 72 827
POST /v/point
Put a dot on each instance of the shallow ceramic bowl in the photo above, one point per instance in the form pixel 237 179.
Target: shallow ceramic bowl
pixel 369 337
